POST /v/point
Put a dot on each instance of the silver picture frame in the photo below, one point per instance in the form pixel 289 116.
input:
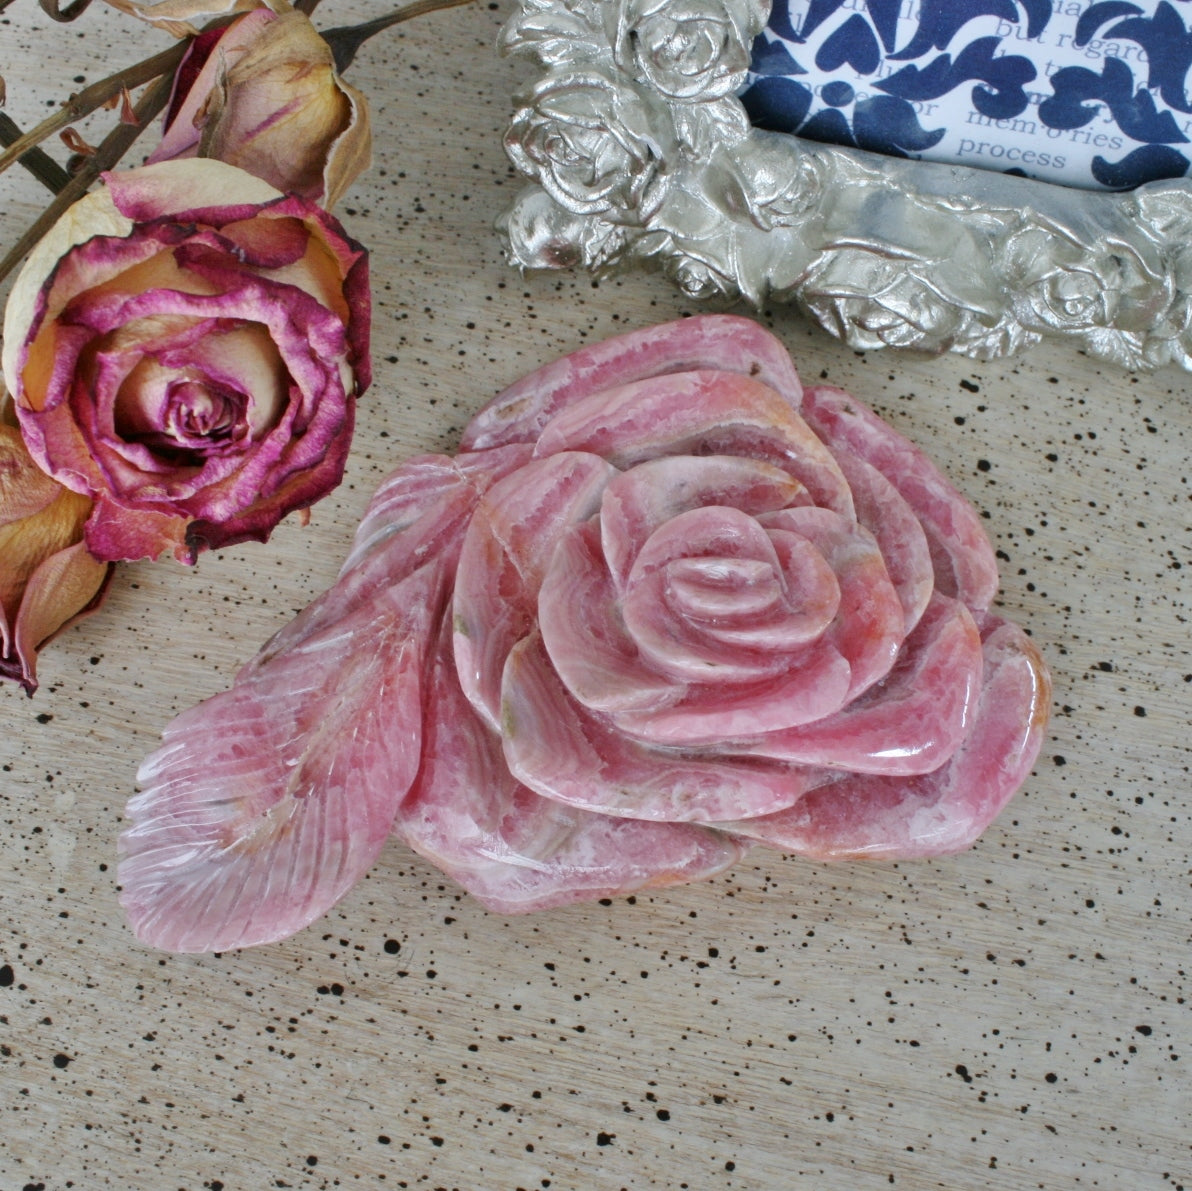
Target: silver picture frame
pixel 638 152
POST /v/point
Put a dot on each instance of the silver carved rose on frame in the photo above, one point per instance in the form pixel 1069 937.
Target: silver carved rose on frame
pixel 639 152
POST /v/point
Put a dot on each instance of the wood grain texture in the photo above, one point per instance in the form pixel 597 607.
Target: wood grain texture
pixel 1013 1017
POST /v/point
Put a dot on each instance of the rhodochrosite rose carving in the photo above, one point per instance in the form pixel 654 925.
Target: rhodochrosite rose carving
pixel 664 605
pixel 186 347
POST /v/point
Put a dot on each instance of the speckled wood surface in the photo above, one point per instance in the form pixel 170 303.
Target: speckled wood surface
pixel 1013 1016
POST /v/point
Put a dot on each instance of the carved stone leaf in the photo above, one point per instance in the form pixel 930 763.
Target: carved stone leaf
pixel 703 128
pixel 1123 347
pixel 1005 337
pixel 602 243
pixel 1177 351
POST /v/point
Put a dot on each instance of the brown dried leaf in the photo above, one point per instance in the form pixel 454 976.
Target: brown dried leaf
pixel 73 140
pixel 323 139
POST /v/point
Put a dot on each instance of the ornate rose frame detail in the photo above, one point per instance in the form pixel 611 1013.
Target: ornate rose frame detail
pixel 639 153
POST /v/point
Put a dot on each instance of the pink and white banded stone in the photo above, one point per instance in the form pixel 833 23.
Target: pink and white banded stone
pixel 663 607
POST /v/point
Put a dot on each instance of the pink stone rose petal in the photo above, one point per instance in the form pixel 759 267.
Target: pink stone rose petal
pixel 964 563
pixel 508 544
pixel 883 511
pixel 913 720
pixel 602 668
pixel 416 507
pixel 855 652
pixel 698 413
pixel 870 624
pixel 637 502
pixel 721 342
pixel 515 851
pixel 670 613
pixel 577 757
pixel 417 515
pixel 581 623
pixel 876 817
pixel 814 687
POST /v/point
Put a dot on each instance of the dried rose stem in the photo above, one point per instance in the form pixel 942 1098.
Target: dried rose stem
pixel 39 163
pixel 111 149
pixel 347 39
pixel 93 97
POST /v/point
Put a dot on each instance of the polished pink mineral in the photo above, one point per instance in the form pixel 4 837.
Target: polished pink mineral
pixel 664 606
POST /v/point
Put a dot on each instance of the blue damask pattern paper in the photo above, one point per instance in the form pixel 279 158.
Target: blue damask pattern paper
pixel 1091 93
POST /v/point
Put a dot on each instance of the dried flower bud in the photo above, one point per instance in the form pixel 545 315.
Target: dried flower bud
pixel 264 95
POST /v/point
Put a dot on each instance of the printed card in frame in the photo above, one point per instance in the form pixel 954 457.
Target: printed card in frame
pixel 638 151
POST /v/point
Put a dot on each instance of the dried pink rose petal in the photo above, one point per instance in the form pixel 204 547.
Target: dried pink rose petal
pixel 665 605
pixel 186 347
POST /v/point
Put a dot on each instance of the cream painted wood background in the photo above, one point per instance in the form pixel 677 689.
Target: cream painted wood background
pixel 1014 1017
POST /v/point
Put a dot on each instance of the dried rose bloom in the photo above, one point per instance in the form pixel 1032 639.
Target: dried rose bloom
pixel 263 94
pixel 664 605
pixel 185 347
pixel 48 580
